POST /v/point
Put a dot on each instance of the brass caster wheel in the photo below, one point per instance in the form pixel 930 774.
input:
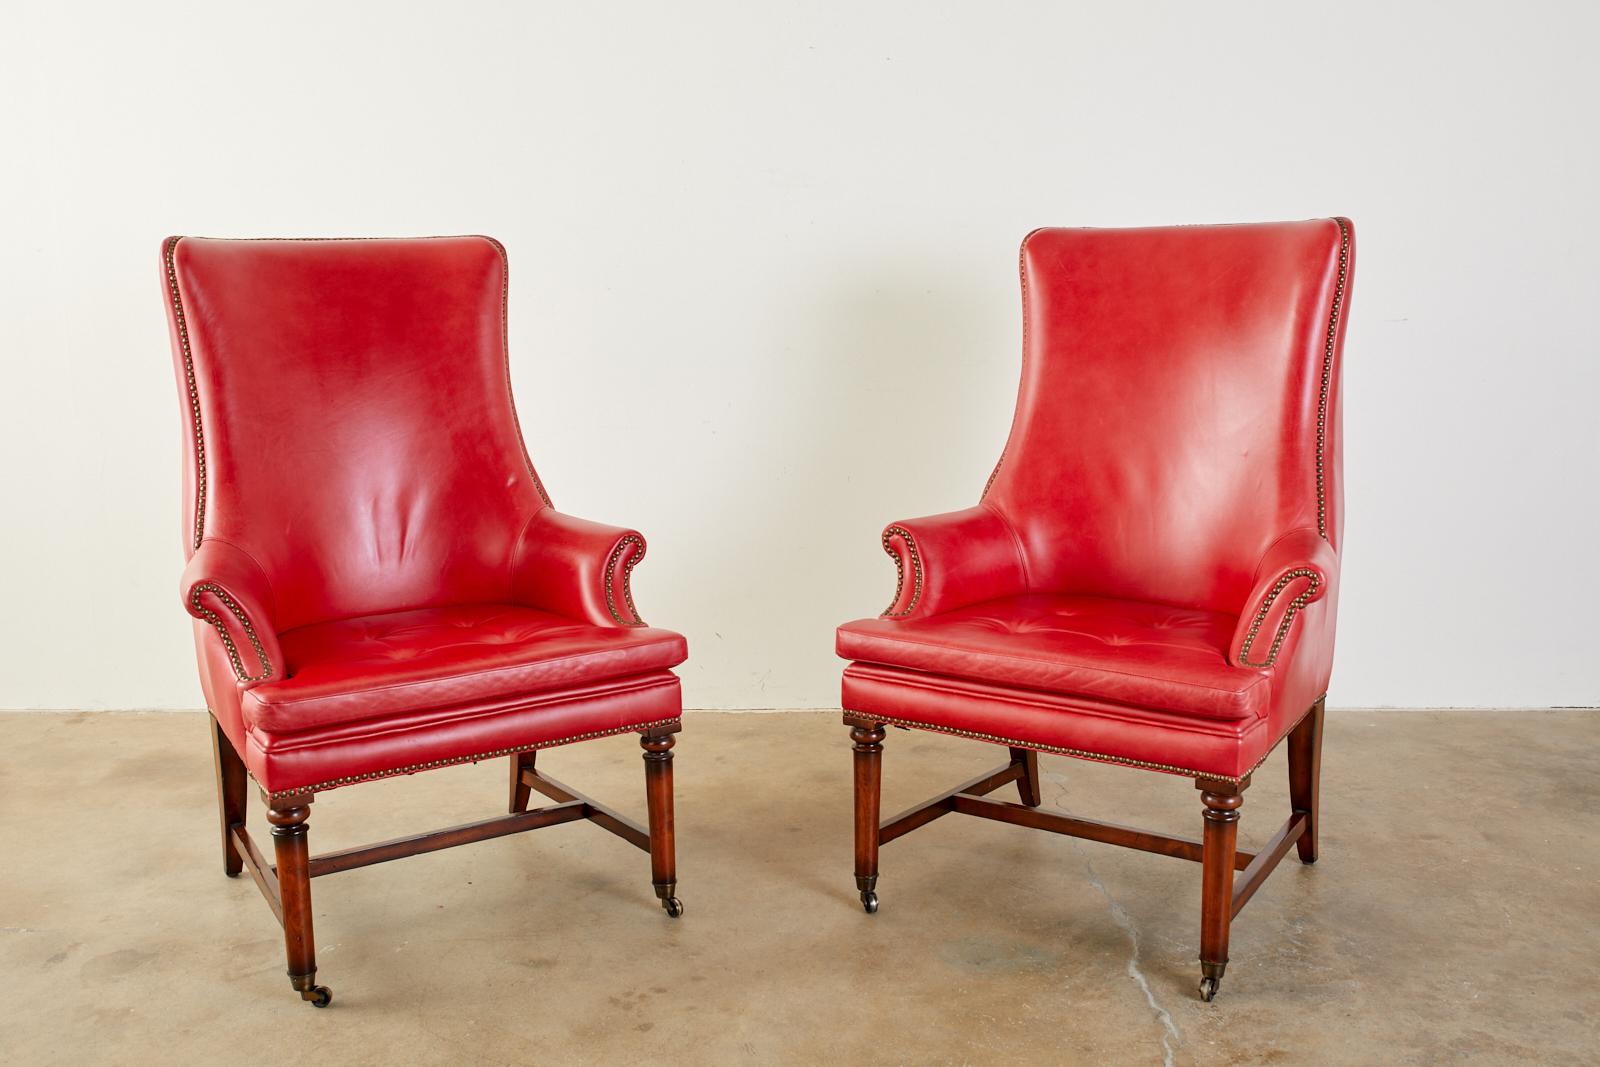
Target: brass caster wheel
pixel 1208 989
pixel 869 901
pixel 320 996
pixel 673 907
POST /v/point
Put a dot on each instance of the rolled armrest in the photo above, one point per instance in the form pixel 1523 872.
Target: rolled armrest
pixel 1294 572
pixel 224 586
pixel 577 568
pixel 948 561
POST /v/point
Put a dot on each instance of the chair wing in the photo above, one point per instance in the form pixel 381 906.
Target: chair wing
pixel 350 423
pixel 1179 408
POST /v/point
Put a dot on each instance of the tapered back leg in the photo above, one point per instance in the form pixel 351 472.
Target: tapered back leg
pixel 1305 776
pixel 232 795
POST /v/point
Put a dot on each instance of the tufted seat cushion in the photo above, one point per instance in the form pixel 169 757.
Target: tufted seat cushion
pixel 1123 651
pixel 409 661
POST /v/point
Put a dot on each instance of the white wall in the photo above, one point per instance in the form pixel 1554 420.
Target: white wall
pixel 781 240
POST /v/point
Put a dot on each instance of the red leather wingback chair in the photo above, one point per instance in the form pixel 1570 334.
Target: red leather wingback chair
pixel 379 583
pixel 1151 574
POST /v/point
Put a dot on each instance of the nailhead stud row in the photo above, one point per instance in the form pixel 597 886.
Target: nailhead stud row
pixel 900 571
pixel 627 579
pixel 215 620
pixel 1098 757
pixel 505 347
pixel 194 395
pixel 435 764
pixel 1022 272
pixel 1327 376
pixel 1314 581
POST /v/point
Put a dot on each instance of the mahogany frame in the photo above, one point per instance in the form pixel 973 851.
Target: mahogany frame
pixel 1222 896
pixel 286 884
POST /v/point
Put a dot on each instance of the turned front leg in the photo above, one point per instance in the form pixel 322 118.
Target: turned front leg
pixel 658 798
pixel 1222 801
pixel 288 818
pixel 867 739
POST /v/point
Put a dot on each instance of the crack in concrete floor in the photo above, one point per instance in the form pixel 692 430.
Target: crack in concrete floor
pixel 1171 1037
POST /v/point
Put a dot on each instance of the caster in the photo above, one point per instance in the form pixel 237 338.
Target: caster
pixel 320 996
pixel 673 906
pixel 1208 989
pixel 869 901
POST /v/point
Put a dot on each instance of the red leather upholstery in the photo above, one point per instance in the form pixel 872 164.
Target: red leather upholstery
pixel 1152 574
pixel 1127 651
pixel 378 580
pixel 378 665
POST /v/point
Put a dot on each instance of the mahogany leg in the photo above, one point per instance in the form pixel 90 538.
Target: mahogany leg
pixel 1305 776
pixel 520 761
pixel 658 798
pixel 232 795
pixel 1222 801
pixel 1028 785
pixel 288 818
pixel 868 743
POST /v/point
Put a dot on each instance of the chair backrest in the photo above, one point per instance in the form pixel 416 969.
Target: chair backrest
pixel 1179 409
pixel 349 418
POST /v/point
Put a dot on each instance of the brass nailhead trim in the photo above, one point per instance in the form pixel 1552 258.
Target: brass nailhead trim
pixel 194 399
pixel 627 577
pixel 1327 375
pixel 1315 583
pixel 505 348
pixel 900 571
pixel 1098 757
pixel 1022 272
pixel 1001 462
pixel 222 630
pixel 435 764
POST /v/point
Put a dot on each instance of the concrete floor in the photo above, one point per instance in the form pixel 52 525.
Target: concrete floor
pixel 1454 916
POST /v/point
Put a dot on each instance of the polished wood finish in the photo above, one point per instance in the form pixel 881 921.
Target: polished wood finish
pixel 264 874
pixel 1305 776
pixel 233 794
pixel 867 741
pixel 1222 896
pixel 288 818
pixel 633 833
pixel 1088 829
pixel 521 765
pixel 663 832
pixel 1222 801
pixel 449 837
pixel 1263 862
pixel 286 885
pixel 1029 787
pixel 944 803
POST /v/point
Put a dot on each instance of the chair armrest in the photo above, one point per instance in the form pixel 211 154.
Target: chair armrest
pixel 577 568
pixel 948 561
pixel 1295 571
pixel 224 586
